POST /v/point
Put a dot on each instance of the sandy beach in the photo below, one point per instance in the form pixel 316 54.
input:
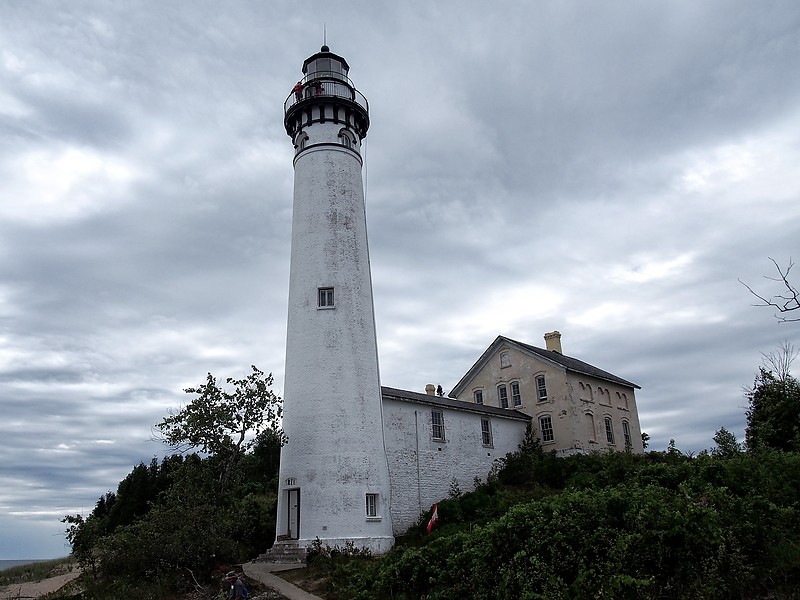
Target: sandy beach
pixel 38 588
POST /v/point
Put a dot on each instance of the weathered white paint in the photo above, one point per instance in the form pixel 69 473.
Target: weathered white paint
pixel 422 469
pixel 332 398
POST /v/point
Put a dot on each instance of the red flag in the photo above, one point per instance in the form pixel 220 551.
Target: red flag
pixel 434 517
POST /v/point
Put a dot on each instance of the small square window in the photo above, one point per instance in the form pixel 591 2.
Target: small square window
pixel 502 396
pixel 541 388
pixel 437 425
pixel 515 395
pixel 546 427
pixel 372 505
pixel 478 396
pixel 325 297
pixel 486 432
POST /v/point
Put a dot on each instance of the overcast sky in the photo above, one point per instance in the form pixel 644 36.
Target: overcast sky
pixel 607 169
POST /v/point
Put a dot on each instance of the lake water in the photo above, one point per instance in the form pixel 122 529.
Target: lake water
pixel 7 564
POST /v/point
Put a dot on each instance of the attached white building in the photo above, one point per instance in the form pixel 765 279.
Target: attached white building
pixel 432 441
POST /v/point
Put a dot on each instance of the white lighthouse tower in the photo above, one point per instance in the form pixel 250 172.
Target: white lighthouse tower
pixel 334 476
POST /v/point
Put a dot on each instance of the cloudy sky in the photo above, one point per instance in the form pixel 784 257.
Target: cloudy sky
pixel 610 170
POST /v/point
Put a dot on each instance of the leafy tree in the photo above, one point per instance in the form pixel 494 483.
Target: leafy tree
pixel 773 416
pixel 224 423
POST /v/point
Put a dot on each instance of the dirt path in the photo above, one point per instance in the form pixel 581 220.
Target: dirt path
pixel 38 588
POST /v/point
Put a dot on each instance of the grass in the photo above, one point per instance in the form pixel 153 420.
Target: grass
pixel 37 571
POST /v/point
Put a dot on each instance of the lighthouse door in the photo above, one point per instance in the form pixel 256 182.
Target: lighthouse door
pixel 294 514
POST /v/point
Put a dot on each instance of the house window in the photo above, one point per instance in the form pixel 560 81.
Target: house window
pixel 437 425
pixel 372 505
pixel 541 388
pixel 626 433
pixel 515 396
pixel 478 396
pixel 546 427
pixel 486 432
pixel 325 297
pixel 502 396
pixel 505 360
pixel 609 430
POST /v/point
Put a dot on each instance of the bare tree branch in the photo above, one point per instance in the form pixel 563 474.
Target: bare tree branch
pixel 787 301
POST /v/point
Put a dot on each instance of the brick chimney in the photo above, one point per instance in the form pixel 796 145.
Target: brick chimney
pixel 553 341
pixel 430 389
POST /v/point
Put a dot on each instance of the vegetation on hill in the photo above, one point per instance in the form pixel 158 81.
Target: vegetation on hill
pixel 722 524
pixel 184 521
pixel 659 525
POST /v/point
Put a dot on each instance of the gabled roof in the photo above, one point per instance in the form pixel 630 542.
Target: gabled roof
pixel 566 362
pixel 445 402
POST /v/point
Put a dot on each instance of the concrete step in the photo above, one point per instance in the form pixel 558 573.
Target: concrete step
pixel 284 552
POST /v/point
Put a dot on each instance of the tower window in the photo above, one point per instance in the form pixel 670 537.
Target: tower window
pixel 478 396
pixel 546 427
pixel 372 505
pixel 502 396
pixel 486 432
pixel 300 141
pixel 515 395
pixel 325 297
pixel 437 425
pixel 346 139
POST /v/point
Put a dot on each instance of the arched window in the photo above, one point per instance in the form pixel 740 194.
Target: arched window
pixel 300 141
pixel 609 430
pixel 347 139
pixel 502 396
pixel 626 433
pixel 591 434
pixel 546 429
pixel 516 397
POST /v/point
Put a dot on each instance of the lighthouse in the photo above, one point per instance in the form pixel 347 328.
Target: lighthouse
pixel 334 477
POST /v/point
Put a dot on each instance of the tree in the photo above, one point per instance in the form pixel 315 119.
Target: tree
pixel 773 415
pixel 726 443
pixel 787 300
pixel 225 424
